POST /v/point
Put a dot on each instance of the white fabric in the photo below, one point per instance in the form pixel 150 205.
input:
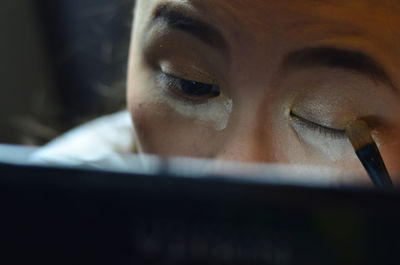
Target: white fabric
pixel 104 139
pixel 16 154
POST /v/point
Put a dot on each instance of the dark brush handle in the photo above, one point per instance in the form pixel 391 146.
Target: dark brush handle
pixel 372 161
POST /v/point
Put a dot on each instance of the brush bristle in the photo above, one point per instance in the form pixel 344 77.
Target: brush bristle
pixel 359 134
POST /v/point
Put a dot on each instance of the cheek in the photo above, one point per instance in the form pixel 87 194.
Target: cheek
pixel 161 131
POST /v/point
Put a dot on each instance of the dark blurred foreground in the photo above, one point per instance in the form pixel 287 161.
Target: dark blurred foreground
pixel 75 216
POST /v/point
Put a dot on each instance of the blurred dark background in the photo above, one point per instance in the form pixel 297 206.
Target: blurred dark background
pixel 62 62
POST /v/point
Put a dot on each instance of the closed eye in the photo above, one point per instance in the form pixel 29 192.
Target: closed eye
pixel 190 90
pixel 321 129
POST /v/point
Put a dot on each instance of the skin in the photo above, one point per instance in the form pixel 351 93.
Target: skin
pixel 258 127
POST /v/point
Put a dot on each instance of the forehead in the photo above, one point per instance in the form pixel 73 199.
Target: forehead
pixel 369 25
pixel 264 14
pixel 361 14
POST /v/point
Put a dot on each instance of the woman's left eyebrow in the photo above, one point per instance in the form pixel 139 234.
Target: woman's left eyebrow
pixel 334 57
pixel 175 17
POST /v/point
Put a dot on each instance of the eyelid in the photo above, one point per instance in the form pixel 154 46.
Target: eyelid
pixel 186 71
pixel 324 130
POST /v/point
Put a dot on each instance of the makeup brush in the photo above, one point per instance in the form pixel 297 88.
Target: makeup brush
pixel 360 137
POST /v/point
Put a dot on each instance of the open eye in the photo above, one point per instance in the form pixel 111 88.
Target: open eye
pixel 316 127
pixel 191 89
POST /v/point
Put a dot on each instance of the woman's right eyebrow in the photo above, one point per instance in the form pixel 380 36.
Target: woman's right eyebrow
pixel 178 18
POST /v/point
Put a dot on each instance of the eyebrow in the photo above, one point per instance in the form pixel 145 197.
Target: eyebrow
pixel 338 58
pixel 176 18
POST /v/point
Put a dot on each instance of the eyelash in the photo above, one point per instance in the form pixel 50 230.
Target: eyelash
pixel 190 90
pixel 323 130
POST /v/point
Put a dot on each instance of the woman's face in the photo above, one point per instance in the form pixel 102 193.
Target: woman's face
pixel 265 80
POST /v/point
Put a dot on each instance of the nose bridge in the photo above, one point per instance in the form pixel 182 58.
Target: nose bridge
pixel 249 136
pixel 247 140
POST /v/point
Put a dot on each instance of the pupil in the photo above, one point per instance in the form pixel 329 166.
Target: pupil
pixel 197 89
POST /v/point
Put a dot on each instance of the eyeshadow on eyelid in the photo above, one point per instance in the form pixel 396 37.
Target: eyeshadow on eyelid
pixel 186 71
